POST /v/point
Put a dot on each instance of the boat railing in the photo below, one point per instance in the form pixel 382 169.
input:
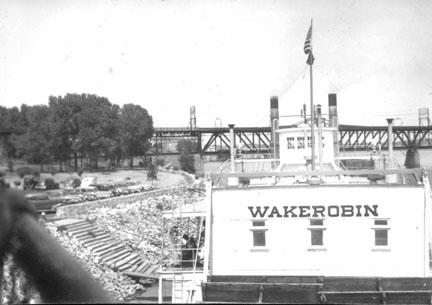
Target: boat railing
pixel 184 259
pixel 217 170
pixel 418 171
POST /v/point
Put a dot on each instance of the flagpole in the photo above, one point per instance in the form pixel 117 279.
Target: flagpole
pixel 312 119
pixel 312 108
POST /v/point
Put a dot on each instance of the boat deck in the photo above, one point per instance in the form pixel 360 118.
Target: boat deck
pixel 316 290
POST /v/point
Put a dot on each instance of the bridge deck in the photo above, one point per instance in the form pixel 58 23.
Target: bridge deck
pixel 215 140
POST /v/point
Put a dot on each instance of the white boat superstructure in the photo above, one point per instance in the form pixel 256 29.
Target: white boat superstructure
pixel 299 227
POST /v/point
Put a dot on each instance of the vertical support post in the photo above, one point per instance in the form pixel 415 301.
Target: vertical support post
pixel 199 142
pixel 320 150
pixel 312 120
pixel 208 232
pixel 160 290
pixel 390 141
pixel 333 119
pixel 275 127
pixel 232 147
pixel 1 282
pixel 427 226
pixel 274 123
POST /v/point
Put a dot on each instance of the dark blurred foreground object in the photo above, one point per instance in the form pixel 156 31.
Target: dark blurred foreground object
pixel 57 276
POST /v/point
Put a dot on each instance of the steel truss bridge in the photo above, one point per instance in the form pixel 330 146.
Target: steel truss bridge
pixel 252 140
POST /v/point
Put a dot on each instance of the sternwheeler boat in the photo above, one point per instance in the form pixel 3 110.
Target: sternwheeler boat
pixel 302 227
pixel 293 235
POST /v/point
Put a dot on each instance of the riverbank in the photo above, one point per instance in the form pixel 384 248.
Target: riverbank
pixel 164 178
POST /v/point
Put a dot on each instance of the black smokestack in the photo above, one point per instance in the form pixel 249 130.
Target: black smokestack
pixel 274 123
pixel 333 118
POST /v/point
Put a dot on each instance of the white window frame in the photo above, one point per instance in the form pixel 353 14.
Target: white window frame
pixel 311 228
pixel 254 229
pixel 386 227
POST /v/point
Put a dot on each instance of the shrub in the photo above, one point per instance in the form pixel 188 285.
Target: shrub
pixel 53 171
pixel 36 173
pixel 80 172
pixel 2 174
pixel 76 182
pixel 159 206
pixel 25 170
pixel 10 166
pixel 152 172
pixel 187 163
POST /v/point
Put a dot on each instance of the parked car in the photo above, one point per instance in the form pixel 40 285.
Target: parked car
pixel 107 187
pixel 87 181
pixel 87 193
pixel 133 186
pixel 137 187
pixel 41 201
pixel 104 191
pixel 123 188
pixel 46 184
pixel 65 196
pixel 70 183
pixel 30 182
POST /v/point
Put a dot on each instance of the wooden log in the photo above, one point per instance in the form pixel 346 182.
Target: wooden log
pixel 109 256
pixel 138 275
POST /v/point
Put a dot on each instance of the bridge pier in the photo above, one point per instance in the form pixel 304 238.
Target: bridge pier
pixel 412 159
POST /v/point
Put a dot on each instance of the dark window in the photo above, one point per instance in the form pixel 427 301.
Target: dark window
pixel 381 232
pixel 301 143
pixel 258 233
pixel 317 232
pixel 290 143
pixel 317 237
pixel 317 222
pixel 259 238
pixel 381 237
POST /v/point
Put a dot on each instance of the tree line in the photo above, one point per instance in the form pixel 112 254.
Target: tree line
pixel 76 127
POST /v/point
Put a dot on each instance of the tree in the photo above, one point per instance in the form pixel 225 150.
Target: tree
pixel 66 112
pixel 35 144
pixel 186 158
pixel 152 172
pixel 98 127
pixel 187 163
pixel 136 129
pixel 12 120
pixel 76 125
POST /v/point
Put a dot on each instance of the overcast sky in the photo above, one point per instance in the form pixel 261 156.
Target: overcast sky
pixel 226 58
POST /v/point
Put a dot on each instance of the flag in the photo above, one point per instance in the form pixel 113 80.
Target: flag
pixel 308 43
pixel 308 46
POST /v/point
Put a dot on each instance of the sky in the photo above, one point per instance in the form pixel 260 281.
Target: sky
pixel 226 58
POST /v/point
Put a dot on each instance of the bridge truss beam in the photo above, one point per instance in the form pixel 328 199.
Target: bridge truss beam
pixel 362 137
pixel 258 139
